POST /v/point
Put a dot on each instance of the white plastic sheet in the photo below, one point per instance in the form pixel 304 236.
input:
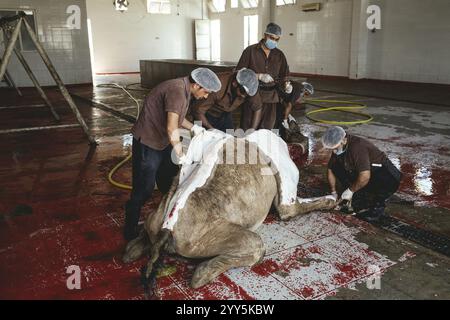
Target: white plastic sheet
pixel 204 154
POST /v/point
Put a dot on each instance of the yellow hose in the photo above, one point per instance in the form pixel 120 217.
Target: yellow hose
pixel 347 107
pixel 113 171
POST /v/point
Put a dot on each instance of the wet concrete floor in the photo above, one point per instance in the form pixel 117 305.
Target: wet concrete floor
pixel 57 209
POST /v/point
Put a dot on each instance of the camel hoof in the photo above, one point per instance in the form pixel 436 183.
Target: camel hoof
pixel 202 275
pixel 330 204
pixel 136 248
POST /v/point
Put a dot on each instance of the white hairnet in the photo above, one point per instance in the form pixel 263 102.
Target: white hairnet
pixel 248 80
pixel 273 29
pixel 332 137
pixel 206 79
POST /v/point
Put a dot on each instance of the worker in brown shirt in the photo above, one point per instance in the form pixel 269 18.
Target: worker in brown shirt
pixel 156 134
pixel 271 66
pixel 237 88
pixel 366 172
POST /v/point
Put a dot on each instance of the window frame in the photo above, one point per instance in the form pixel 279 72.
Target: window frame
pixel 246 4
pixel 215 9
pixel 286 4
pixel 16 11
pixel 161 3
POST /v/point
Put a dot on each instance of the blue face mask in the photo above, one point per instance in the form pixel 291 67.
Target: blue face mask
pixel 270 44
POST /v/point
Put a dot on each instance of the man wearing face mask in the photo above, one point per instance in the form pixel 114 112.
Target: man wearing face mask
pixel 366 173
pixel 271 66
pixel 237 88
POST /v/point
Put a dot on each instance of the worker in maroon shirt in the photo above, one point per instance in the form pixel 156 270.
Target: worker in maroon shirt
pixel 271 67
pixel 366 173
pixel 156 134
pixel 237 88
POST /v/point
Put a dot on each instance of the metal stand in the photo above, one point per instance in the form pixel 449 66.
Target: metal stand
pixel 5 24
pixel 10 82
pixel 33 78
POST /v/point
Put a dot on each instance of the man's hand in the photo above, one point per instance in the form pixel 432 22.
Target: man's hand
pixel 347 195
pixel 334 195
pixel 183 160
pixel 265 77
pixel 288 87
pixel 196 130
pixel 291 118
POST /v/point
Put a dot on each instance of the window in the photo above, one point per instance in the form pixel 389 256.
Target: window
pixel 250 30
pixel 217 5
pixel 207 39
pixel 158 7
pixel 285 2
pixel 234 4
pixel 249 4
pixel 215 40
pixel 24 42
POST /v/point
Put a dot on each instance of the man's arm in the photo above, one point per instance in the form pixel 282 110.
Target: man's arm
pixel 361 182
pixel 174 132
pixel 186 124
pixel 256 104
pixel 287 110
pixel 332 180
pixel 284 70
pixel 200 114
pixel 256 119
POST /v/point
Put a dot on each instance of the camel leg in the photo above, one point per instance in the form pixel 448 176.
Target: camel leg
pixel 233 247
pixel 303 206
pixel 136 248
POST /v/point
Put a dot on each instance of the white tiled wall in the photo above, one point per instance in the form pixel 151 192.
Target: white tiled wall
pixel 317 42
pixel 67 49
pixel 122 39
pixel 413 44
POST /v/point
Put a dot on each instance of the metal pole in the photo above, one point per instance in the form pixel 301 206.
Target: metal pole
pixel 39 128
pixel 9 48
pixel 34 80
pixel 24 106
pixel 58 81
pixel 11 82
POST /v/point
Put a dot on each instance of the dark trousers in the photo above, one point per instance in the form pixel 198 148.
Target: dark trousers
pixel 223 122
pixel 279 119
pixel 384 182
pixel 149 166
pixel 268 116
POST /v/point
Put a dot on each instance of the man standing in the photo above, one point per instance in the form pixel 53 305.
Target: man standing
pixel 270 64
pixel 237 88
pixel 156 134
pixel 367 174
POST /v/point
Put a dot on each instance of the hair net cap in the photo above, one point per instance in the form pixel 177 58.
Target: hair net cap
pixel 206 79
pixel 332 137
pixel 273 29
pixel 248 80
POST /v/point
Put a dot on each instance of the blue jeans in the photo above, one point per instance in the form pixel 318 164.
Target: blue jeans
pixel 150 166
pixel 222 123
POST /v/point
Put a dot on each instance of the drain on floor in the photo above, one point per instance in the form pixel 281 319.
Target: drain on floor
pixel 423 237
